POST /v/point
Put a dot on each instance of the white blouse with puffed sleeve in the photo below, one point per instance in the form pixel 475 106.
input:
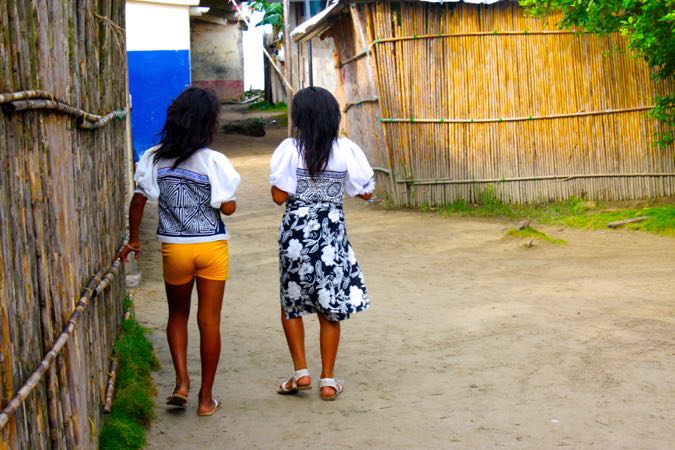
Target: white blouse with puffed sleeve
pixel 189 195
pixel 346 159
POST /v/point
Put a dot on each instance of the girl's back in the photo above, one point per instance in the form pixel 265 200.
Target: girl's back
pixel 188 194
pixel 346 171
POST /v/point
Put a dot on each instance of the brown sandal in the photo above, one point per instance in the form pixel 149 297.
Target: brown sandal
pixel 176 399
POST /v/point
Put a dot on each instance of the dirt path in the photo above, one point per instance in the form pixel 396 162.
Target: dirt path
pixel 472 341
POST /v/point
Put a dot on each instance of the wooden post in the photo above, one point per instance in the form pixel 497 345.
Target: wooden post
pixel 289 60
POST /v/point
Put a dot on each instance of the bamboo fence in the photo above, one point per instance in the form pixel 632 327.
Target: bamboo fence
pixel 62 187
pixel 476 95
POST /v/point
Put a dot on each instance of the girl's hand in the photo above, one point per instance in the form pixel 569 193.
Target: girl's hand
pixel 366 197
pixel 128 248
pixel 278 196
pixel 228 208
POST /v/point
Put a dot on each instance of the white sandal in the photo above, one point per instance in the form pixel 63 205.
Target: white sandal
pixel 332 383
pixel 295 387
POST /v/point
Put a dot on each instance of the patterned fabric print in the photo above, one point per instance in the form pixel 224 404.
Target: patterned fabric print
pixel 329 187
pixel 319 272
pixel 185 205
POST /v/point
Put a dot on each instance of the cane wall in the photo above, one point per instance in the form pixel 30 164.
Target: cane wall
pixel 479 97
pixel 62 196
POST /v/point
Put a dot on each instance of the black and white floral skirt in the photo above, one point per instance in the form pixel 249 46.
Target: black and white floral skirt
pixel 318 268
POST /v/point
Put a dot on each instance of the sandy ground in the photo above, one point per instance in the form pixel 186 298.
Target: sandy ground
pixel 472 340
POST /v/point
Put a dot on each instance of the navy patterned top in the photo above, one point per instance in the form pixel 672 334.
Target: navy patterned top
pixel 189 196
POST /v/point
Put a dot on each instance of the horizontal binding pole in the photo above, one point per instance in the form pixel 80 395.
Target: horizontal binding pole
pixel 102 121
pixel 449 35
pixel 84 119
pixel 516 119
pixel 476 33
pixel 348 106
pixel 26 95
pixel 534 178
pixel 68 330
pixel 382 169
pixel 354 58
pixel 24 105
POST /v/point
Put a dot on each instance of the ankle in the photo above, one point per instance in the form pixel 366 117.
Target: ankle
pixel 182 385
pixel 205 402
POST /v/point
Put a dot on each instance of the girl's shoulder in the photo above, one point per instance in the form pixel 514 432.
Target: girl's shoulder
pixel 149 154
pixel 287 144
pixel 348 148
pixel 212 155
pixel 346 144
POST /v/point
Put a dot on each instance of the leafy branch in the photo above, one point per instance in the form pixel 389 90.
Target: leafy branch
pixel 273 15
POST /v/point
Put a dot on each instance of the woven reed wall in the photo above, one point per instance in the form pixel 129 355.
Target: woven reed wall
pixel 357 92
pixel 500 77
pixel 62 196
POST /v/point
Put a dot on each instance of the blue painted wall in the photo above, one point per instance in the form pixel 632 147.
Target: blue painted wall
pixel 156 77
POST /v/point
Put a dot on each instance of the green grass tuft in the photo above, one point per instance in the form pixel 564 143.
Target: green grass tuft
pixel 266 106
pixel 121 433
pixel 531 233
pixel 134 402
pixel 575 212
pixel 660 219
pixel 132 411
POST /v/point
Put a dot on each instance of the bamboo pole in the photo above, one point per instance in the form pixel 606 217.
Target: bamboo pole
pixel 348 106
pixel 516 119
pixel 85 119
pixel 413 37
pixel 26 95
pixel 110 386
pixel 88 294
pixel 541 177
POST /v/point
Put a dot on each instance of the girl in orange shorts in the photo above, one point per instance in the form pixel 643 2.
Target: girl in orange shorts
pixel 193 185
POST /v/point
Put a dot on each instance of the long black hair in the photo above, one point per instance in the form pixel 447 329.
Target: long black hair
pixel 316 122
pixel 191 122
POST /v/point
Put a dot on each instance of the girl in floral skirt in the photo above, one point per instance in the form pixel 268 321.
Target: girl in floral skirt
pixel 319 273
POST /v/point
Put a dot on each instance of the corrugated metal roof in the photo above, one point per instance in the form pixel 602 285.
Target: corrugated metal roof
pixel 319 23
pixel 322 21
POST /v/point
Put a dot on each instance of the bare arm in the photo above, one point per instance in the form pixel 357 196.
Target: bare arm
pixel 136 208
pixel 279 196
pixel 365 197
pixel 228 208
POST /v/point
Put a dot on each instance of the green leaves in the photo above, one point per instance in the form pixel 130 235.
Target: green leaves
pixel 274 13
pixel 664 112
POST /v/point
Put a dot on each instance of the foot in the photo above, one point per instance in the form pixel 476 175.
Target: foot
pixel 180 395
pixel 212 408
pixel 330 388
pixel 300 381
pixel 182 387
pixel 302 384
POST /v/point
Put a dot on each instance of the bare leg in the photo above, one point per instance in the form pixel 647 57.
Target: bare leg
pixel 178 297
pixel 294 329
pixel 210 294
pixel 329 338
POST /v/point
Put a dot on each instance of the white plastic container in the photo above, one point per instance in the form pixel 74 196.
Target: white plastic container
pixel 133 274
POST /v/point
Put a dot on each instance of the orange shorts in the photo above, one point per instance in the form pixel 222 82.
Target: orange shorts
pixel 182 262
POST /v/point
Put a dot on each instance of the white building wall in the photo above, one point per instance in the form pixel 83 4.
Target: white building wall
pixel 157 26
